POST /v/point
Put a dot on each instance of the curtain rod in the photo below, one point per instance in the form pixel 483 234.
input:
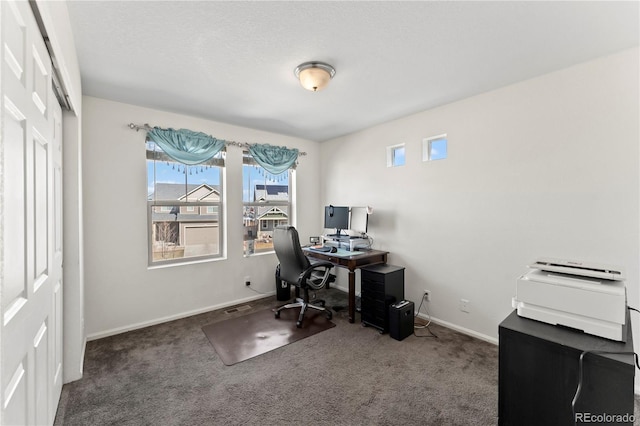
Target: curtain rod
pixel 147 128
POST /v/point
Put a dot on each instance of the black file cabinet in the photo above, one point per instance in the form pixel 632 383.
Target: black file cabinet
pixel 381 286
pixel 539 374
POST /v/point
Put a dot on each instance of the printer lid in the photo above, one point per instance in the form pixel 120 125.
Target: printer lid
pixel 575 282
pixel 584 269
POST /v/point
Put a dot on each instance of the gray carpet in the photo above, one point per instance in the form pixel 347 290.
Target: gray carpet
pixel 169 374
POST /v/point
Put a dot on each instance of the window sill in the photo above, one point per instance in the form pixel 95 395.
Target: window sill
pixel 185 263
pixel 260 254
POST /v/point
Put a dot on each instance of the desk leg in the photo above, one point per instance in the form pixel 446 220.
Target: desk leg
pixel 352 295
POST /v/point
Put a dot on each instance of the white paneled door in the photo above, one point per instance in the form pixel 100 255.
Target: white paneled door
pixel 31 224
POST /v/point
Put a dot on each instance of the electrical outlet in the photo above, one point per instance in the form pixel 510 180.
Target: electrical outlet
pixel 247 280
pixel 427 295
pixel 465 305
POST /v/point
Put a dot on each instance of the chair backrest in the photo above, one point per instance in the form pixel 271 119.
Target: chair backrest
pixel 290 255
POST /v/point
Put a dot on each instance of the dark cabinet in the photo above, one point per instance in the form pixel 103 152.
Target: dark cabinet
pixel 381 285
pixel 539 374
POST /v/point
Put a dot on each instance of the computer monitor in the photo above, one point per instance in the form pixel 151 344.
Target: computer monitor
pixel 359 220
pixel 336 217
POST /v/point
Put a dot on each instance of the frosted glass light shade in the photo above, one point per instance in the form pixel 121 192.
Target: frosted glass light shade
pixel 314 76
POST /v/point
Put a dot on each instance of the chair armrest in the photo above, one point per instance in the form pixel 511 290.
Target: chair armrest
pixel 321 263
pixel 306 274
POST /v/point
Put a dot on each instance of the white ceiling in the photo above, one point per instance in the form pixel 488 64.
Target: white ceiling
pixel 233 61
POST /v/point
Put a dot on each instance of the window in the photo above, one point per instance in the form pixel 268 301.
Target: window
pixel 395 155
pixel 184 207
pixel 266 204
pixel 434 148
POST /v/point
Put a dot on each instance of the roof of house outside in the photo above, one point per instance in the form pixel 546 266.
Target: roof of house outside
pixel 273 189
pixel 272 212
pixel 176 191
pixel 271 193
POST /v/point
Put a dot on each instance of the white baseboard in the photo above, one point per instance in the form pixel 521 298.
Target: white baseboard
pixel 341 288
pixel 463 330
pixel 119 330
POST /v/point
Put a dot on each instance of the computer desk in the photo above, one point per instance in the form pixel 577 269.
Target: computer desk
pixel 351 262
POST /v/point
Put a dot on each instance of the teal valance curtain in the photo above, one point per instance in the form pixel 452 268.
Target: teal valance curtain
pixel 274 159
pixel 186 146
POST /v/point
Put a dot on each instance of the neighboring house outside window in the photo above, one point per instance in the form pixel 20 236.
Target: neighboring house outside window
pixel 266 204
pixel 184 208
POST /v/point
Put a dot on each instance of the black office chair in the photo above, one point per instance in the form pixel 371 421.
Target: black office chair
pixel 296 269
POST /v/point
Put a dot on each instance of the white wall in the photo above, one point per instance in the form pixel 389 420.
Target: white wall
pixel 546 167
pixel 121 292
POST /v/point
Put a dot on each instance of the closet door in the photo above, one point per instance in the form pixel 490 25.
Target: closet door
pixel 30 224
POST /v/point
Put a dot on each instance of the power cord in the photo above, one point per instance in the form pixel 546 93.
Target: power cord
pixel 580 370
pixel 254 290
pixel 419 327
pixel 370 242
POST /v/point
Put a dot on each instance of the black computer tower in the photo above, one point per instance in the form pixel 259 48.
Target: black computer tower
pixel 401 320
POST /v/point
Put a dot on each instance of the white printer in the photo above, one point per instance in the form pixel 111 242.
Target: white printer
pixel 584 296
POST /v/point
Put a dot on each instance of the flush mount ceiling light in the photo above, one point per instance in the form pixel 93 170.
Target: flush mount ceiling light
pixel 314 75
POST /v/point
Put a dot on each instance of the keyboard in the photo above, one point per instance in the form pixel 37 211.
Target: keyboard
pixel 322 249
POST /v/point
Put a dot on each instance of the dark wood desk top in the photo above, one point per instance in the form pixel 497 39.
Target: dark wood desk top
pixel 351 261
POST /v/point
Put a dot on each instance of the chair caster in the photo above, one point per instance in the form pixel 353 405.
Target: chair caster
pixel 277 314
pixel 329 315
pixel 299 324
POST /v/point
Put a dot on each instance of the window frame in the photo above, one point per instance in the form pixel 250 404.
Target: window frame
pixel 248 160
pixel 218 161
pixel 427 147
pixel 391 155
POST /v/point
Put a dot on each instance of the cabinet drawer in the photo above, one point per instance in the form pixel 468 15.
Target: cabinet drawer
pixel 371 295
pixel 380 272
pixel 372 286
pixel 370 304
pixel 372 276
